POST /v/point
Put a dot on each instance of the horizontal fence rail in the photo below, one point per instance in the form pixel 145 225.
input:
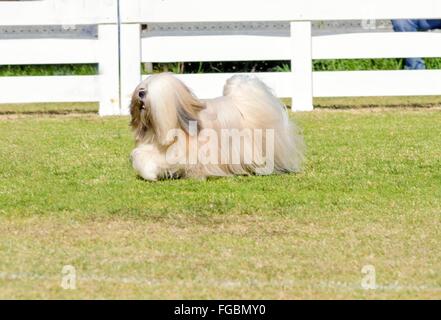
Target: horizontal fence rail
pixel 49 89
pixel 58 12
pixel 120 48
pixel 330 84
pixel 48 51
pixel 207 86
pixel 377 45
pixel 140 11
pixel 215 48
pixel 243 47
pixel 377 83
pixel 104 51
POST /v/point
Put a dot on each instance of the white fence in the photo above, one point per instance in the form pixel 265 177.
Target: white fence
pixel 104 51
pixel 120 48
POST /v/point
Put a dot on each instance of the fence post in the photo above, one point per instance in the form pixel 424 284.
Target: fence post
pixel 108 70
pixel 301 66
pixel 130 62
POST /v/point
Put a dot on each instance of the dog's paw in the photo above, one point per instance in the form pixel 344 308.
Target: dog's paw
pixel 144 165
pixel 148 177
pixel 148 171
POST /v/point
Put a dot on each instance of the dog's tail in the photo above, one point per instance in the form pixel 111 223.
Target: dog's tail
pixel 261 109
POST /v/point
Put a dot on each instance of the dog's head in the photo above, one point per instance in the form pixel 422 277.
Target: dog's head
pixel 162 103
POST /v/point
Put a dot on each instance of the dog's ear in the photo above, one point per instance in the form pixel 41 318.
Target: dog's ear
pixel 135 110
pixel 173 106
pixel 187 108
pixel 140 114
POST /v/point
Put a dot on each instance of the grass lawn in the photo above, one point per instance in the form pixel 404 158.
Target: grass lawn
pixel 370 194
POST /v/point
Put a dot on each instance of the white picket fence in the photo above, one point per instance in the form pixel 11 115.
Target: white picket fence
pixel 120 48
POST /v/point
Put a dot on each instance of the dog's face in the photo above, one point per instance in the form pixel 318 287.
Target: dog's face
pixel 140 110
pixel 162 103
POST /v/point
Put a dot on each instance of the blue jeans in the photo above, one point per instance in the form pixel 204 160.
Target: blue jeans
pixel 408 25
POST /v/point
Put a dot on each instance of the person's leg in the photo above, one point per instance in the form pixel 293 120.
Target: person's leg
pixel 435 24
pixel 430 24
pixel 414 64
pixel 405 25
pixel 409 25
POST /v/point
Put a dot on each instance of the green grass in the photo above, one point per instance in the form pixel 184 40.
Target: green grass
pixel 48 70
pixel 284 66
pixel 370 194
pixel 369 64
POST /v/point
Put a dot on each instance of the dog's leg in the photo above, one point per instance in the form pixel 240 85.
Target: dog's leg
pixel 145 160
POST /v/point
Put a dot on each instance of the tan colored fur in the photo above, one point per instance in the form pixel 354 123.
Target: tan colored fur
pixel 247 103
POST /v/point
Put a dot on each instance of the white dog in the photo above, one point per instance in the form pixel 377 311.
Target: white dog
pixel 246 131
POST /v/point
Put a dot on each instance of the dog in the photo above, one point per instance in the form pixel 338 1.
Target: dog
pixel 246 131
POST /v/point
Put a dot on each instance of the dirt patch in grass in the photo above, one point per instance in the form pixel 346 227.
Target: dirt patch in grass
pixel 48 108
